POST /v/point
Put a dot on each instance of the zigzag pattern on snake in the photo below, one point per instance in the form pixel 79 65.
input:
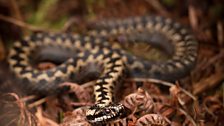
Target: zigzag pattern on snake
pixel 79 51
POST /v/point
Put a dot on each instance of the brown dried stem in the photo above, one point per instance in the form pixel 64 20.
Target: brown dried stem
pixel 165 83
pixel 21 23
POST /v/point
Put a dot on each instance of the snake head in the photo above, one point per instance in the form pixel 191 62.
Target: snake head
pixel 103 114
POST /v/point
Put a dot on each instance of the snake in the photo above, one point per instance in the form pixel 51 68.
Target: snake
pixel 75 52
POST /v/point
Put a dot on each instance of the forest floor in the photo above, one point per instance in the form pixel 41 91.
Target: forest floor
pixel 196 100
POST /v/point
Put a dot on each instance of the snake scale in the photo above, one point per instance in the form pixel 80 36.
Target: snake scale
pixel 78 51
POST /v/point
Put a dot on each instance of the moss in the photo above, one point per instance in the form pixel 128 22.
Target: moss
pixel 39 18
pixel 169 3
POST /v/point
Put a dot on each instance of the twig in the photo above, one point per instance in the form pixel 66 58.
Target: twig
pixel 193 17
pixel 11 122
pixel 81 104
pixel 36 103
pixel 207 83
pixel 15 10
pixel 157 6
pixel 165 83
pixel 188 116
pixel 223 93
pixel 21 24
pixel 43 121
pixel 220 33
pixel 88 84
pixel 69 24
pixel 2 50
pixel 211 61
pixel 25 99
pixel 25 117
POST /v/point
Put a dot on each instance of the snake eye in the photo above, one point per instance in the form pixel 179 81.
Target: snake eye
pixel 107 111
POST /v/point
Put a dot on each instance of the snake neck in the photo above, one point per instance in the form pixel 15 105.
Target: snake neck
pixel 105 110
pixel 104 87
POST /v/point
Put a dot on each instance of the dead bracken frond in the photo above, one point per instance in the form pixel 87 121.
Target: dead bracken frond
pixel 22 115
pixel 151 120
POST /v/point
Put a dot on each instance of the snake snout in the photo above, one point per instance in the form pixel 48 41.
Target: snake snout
pixel 112 112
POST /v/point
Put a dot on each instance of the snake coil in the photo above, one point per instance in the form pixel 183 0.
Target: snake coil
pixel 78 51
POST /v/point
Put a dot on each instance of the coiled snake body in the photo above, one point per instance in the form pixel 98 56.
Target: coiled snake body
pixel 80 51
